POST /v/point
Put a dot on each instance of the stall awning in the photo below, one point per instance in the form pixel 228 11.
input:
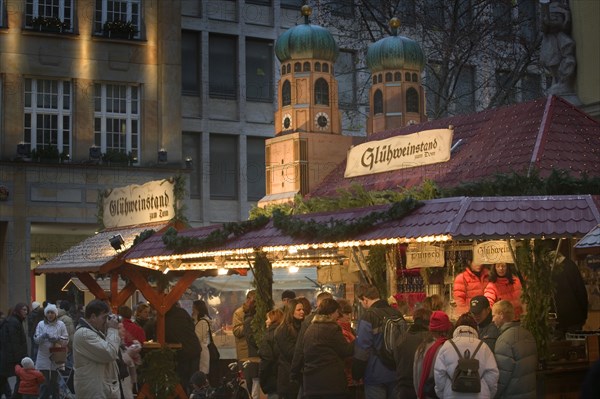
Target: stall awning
pixel 590 243
pixel 94 252
pixel 459 218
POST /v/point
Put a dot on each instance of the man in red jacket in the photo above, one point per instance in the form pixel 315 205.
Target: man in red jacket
pixel 467 285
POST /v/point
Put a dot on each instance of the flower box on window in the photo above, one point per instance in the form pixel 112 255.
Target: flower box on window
pixel 119 29
pixel 117 158
pixel 48 154
pixel 50 24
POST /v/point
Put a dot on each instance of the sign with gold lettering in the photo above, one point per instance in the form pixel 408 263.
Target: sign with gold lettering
pixel 135 204
pixel 492 252
pixel 400 152
pixel 424 255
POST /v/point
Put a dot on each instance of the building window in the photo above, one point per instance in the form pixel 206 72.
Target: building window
pixel 291 4
pixel 407 76
pixel 326 67
pixel 118 10
pixel 388 77
pixel 58 9
pixel 412 100
pixel 190 68
pixel 288 68
pixel 192 155
pixel 346 77
pixel 341 8
pixel 259 70
pixel 505 90
pixel 531 87
pixel 377 102
pixel 286 93
pixel 398 76
pixel 321 92
pixel 297 67
pixel 255 171
pixel 415 78
pixel 223 166
pixel 222 66
pixel 2 21
pixel 306 67
pixel 407 12
pixel 317 67
pixel 117 118
pixel 374 79
pixel 48 114
pixel 503 18
pixel 283 69
pixel 465 91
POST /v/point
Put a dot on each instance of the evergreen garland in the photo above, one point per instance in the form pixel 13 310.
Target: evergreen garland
pixel 158 371
pixel 143 236
pixel 376 263
pixel 537 295
pixel 179 244
pixel 336 230
pixel 263 282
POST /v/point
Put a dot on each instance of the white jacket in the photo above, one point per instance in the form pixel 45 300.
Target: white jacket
pixel 447 359
pixel 57 331
pixel 94 356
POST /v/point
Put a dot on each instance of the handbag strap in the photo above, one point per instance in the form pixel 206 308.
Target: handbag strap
pixel 209 330
pixel 461 356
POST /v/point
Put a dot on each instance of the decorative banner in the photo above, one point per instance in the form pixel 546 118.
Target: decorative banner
pixel 400 152
pixel 424 255
pixel 135 204
pixel 492 252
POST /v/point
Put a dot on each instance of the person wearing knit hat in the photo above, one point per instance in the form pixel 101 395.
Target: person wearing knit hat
pixel 30 378
pixel 50 333
pixel 427 352
pixel 35 305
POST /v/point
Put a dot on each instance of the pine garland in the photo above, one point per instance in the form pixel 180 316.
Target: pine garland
pixel 376 263
pixel 336 230
pixel 179 244
pixel 532 263
pixel 143 236
pixel 158 371
pixel 263 282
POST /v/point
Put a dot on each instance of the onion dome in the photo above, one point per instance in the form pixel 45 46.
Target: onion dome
pixel 306 41
pixel 395 52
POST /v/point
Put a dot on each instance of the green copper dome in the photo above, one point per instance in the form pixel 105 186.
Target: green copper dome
pixel 306 41
pixel 395 52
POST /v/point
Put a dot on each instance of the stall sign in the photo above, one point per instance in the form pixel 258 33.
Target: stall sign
pixel 593 261
pixel 400 152
pixel 492 252
pixel 138 204
pixel 424 255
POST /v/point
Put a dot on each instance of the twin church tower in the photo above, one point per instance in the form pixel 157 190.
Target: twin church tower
pixel 308 142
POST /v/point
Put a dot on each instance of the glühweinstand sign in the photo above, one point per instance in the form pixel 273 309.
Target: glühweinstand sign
pixel 400 152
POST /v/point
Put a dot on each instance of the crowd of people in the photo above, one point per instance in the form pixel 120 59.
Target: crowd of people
pixel 333 350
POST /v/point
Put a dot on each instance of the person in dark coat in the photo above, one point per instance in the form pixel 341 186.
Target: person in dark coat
pixel 268 353
pixel 285 340
pixel 179 328
pixel 13 343
pixel 404 353
pixel 325 350
pixel 482 313
pixel 33 319
pixel 570 296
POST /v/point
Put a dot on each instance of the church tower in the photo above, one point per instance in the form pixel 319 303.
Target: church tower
pixel 308 142
pixel 396 97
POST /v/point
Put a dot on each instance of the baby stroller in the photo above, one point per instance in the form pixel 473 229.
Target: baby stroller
pixel 58 356
pixel 232 386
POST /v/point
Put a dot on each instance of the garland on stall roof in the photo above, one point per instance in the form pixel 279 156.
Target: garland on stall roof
pixel 175 242
pixel 143 236
pixel 335 230
pixel 263 282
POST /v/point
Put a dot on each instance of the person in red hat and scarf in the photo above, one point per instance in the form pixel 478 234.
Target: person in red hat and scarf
pixel 439 327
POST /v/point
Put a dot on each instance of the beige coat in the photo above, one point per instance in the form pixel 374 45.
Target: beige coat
pixel 94 355
pixel 241 345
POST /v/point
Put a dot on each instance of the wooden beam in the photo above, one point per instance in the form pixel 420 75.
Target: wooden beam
pixel 121 297
pixel 92 285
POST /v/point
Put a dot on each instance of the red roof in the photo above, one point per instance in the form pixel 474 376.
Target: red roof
pixel 545 134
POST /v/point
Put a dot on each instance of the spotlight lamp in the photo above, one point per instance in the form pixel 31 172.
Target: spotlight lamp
pixel 95 153
pixel 23 150
pixel 116 242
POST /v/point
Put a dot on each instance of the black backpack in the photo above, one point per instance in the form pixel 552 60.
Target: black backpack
pixel 393 329
pixel 466 375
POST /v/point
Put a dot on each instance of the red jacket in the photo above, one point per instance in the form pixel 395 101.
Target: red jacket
pixel 31 379
pixel 501 289
pixel 466 286
pixel 133 332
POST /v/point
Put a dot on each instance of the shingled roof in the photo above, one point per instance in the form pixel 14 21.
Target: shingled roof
pixel 544 134
pixel 459 218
